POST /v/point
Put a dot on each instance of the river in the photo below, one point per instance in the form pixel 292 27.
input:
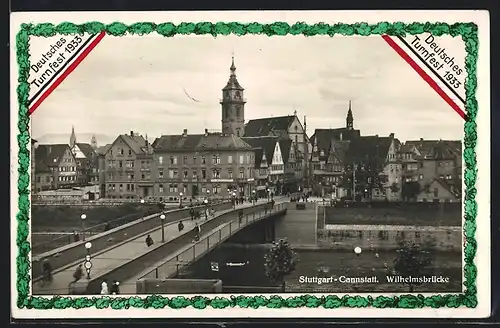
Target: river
pixel 244 266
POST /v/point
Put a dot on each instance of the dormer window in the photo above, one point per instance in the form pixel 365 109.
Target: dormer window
pixel 322 153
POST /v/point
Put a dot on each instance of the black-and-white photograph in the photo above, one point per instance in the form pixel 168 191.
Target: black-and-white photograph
pixel 239 165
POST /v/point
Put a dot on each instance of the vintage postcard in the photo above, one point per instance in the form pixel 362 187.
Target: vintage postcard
pixel 250 164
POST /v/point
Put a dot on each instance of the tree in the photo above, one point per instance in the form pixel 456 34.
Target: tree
pixel 394 187
pixel 410 190
pixel 279 262
pixel 413 260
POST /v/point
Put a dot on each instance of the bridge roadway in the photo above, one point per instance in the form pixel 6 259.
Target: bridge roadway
pixel 172 262
pixel 116 256
pixel 63 256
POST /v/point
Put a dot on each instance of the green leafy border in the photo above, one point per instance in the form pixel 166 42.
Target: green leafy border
pixel 468 32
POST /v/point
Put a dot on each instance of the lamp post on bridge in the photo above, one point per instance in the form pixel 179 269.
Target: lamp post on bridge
pixel 83 217
pixel 180 199
pixel 233 200
pixel 162 219
pixel 268 194
pixel 254 196
pixel 206 209
pixel 142 207
pixel 88 263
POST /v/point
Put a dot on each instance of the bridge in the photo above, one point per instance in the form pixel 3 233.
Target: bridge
pixel 61 257
pixel 122 254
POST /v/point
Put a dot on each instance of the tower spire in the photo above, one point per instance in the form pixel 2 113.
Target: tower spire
pixel 349 118
pixel 233 67
pixel 93 142
pixel 72 138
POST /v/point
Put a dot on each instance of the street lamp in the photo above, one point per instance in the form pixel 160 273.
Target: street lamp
pixel 180 199
pixel 357 250
pixel 206 209
pixel 83 217
pixel 268 193
pixel 254 196
pixel 162 218
pixel 234 200
pixel 142 207
pixel 88 264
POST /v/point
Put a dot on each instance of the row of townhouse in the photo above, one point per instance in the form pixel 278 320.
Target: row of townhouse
pixel 187 165
pixel 345 164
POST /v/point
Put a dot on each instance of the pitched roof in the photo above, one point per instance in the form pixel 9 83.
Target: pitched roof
pixel 49 155
pixel 437 149
pixel 445 185
pixel 368 149
pixel 285 146
pixel 406 148
pixel 103 149
pixel 137 143
pixel 268 126
pixel 87 150
pixel 324 136
pixel 263 145
pixel 199 142
pixel 340 149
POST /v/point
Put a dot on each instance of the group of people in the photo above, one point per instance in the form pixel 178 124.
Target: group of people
pixel 304 198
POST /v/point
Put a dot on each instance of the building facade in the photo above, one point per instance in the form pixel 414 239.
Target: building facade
pixel 128 168
pixel 87 163
pixel 434 162
pixel 55 167
pixel 203 165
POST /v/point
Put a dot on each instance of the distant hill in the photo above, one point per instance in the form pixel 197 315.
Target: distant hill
pixel 62 138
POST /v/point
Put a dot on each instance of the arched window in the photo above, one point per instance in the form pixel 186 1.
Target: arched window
pixel 160 189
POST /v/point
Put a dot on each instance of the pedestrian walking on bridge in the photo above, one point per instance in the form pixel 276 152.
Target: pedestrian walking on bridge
pixel 115 288
pixel 104 288
pixel 77 275
pixel 197 231
pixel 149 241
pixel 180 226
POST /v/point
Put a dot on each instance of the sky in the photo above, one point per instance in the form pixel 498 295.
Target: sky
pixel 140 84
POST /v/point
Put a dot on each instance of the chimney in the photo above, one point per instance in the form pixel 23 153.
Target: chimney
pixel 376 135
pixel 131 133
pixel 206 132
pixel 184 132
pixel 421 139
pixel 391 135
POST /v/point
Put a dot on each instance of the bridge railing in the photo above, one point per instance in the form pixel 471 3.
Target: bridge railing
pixel 192 252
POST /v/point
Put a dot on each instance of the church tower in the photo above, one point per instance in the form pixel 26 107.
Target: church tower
pixel 72 139
pixel 93 142
pixel 233 106
pixel 349 120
